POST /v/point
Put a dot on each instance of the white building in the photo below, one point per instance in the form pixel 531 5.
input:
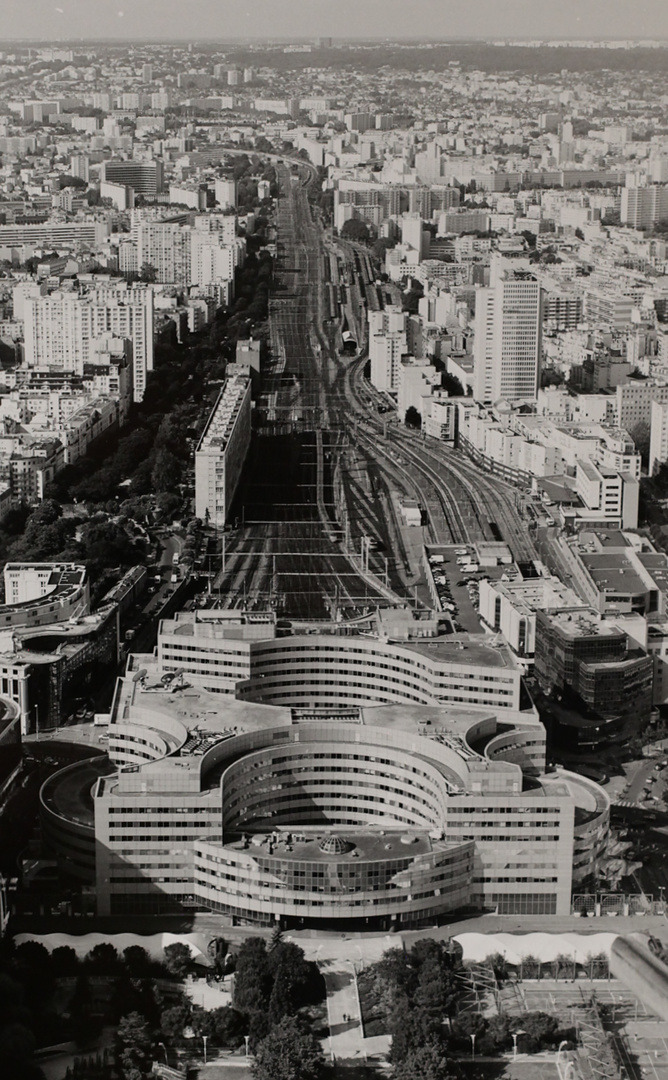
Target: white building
pixel 611 495
pixel 634 400
pixel 60 329
pixel 222 451
pixel 440 417
pixel 385 353
pixel 658 443
pixel 192 195
pixel 225 192
pixel 387 344
pixel 212 260
pixel 510 607
pixel 121 195
pixel 642 207
pixel 165 246
pixel 508 338
pixel 415 383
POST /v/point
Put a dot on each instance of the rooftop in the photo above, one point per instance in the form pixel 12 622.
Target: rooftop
pixel 582 621
pixel 467 650
pixel 613 572
pixel 209 713
pixel 307 844
pixel 224 414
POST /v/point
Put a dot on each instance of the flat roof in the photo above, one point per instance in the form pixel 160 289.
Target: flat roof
pixel 210 712
pixel 582 621
pixel 223 416
pixel 612 572
pixel 296 843
pixel 462 649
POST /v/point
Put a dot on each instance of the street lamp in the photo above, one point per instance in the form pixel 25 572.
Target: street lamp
pixel 562 1044
pixel 7 885
pixel 204 1039
pixel 246 1040
pixel 472 1047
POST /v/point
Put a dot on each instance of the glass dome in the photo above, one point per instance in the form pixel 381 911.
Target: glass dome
pixel 335 845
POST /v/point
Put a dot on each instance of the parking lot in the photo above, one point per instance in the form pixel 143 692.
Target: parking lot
pixel 457 587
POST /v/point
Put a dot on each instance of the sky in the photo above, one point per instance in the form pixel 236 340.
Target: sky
pixel 222 20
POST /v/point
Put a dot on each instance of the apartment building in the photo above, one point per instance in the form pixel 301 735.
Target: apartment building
pixel 62 329
pixel 508 338
pixel 222 451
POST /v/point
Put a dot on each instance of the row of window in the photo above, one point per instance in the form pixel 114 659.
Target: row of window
pixel 158 810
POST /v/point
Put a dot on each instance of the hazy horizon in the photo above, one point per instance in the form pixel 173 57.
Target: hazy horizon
pixel 221 20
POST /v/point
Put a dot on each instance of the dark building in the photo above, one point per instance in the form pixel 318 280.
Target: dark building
pixel 597 682
pixel 145 177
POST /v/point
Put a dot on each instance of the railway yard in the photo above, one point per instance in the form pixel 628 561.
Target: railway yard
pixel 317 532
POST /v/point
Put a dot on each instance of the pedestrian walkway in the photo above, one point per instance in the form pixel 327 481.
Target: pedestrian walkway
pixel 345 1038
pixel 339 959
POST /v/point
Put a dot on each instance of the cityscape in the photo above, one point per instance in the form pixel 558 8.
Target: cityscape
pixel 334 537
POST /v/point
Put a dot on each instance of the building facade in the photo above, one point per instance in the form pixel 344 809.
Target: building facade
pixel 222 451
pixel 508 338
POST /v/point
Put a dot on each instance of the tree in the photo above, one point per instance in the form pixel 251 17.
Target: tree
pixel 438 988
pixel 148 274
pixel 80 1008
pixel 64 961
pixel 428 1062
pixel 410 1028
pixel 452 385
pixel 17 1045
pixel 498 1030
pixel 413 418
pixel 133 1047
pixel 539 1028
pixel 276 937
pixel 34 957
pixel 177 959
pixel 225 1026
pixel 640 434
pixel 499 966
pixel 65 181
pixel 252 979
pixel 288 1053
pixel 218 946
pixel 380 247
pixel 137 961
pixel 356 230
pixel 106 543
pixel 174 1020
pixel 103 959
pixel 167 470
pixel 296 981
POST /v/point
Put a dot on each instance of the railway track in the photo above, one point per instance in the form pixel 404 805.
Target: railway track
pixel 296 561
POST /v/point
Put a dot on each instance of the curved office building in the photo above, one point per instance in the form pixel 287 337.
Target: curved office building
pixel 388 812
